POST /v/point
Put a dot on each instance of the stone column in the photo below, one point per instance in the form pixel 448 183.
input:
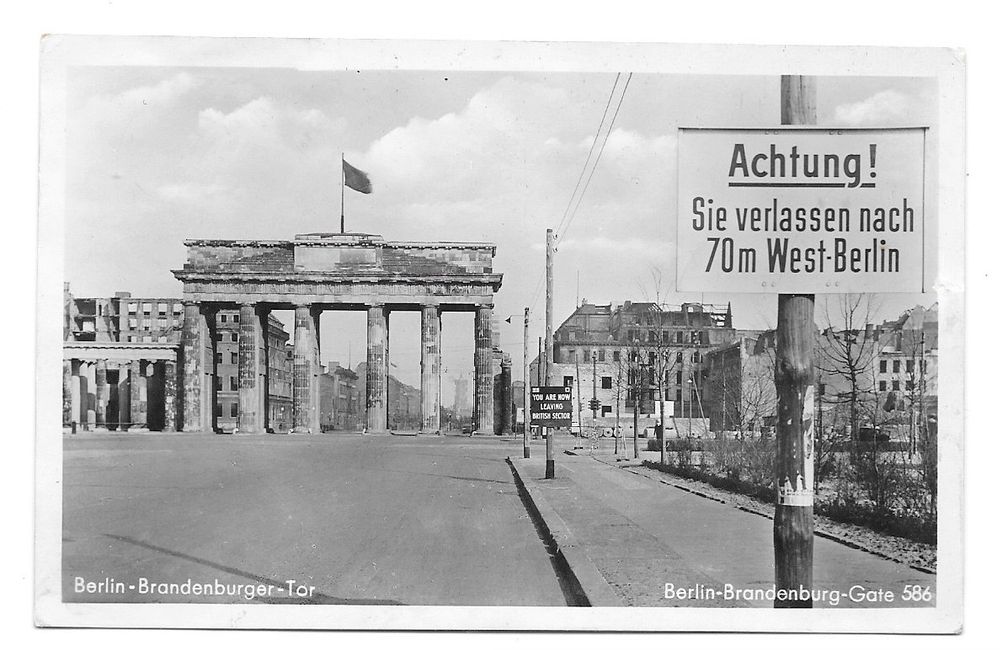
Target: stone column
pixel 137 397
pixel 124 393
pixel 377 381
pixel 67 403
pixel 90 404
pixel 169 395
pixel 193 393
pixel 430 369
pixel 303 404
pixel 74 388
pixel 249 418
pixel 263 368
pixel 506 398
pixel 483 415
pixel 101 390
pixel 317 368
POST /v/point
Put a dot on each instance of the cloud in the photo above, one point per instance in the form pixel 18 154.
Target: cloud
pixel 513 154
pixel 113 107
pixel 885 107
pixel 267 122
pixel 189 192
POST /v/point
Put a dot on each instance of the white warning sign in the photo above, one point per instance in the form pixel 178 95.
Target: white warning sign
pixel 801 210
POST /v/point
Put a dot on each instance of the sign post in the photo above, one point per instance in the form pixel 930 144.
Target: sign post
pixel 797 210
pixel 793 381
pixel 550 238
pixel 527 388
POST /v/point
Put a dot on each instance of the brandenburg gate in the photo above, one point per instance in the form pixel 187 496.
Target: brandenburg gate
pixel 318 272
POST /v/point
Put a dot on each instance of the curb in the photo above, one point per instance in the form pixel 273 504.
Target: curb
pixel 584 578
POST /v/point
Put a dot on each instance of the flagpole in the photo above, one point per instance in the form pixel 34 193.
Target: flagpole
pixel 341 192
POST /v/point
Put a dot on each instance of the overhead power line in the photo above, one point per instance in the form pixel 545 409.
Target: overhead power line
pixel 597 160
pixel 570 212
pixel 593 145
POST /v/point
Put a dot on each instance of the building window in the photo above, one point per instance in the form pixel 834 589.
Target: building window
pixel 147 307
pixel 133 323
pixel 133 307
pixel 605 382
pixel 236 318
pixel 234 410
pixel 600 355
pixel 161 323
pixel 178 307
pixel 234 358
pixel 909 384
pixel 617 355
pixel 218 382
pixel 895 384
pixel 677 395
pixel 235 337
pixel 679 377
pixel 232 383
pixel 163 308
pixel 680 357
pixel 881 386
pixel 895 365
pixel 695 358
pixel 220 335
pixel 883 366
pixel 567 380
pixel 163 339
pixel 218 358
pixel 605 411
pixel 147 339
pixel 909 365
pixel 222 318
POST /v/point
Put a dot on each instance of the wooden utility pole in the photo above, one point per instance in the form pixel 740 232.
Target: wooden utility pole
pixel 579 402
pixel 793 379
pixel 527 390
pixel 636 404
pixel 550 238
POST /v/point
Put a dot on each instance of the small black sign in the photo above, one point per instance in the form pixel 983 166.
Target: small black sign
pixel 552 406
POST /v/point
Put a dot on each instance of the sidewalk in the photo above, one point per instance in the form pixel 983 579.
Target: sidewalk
pixel 641 535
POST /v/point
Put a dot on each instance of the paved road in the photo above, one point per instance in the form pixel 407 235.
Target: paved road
pixel 430 521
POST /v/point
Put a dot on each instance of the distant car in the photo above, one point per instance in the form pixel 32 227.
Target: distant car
pixel 467 430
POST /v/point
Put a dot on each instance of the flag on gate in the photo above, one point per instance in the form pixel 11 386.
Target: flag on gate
pixel 356 179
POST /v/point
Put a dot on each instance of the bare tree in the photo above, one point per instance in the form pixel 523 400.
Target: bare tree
pixel 847 350
pixel 632 364
pixel 663 359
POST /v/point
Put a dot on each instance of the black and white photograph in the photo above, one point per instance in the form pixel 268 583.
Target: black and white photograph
pixel 483 336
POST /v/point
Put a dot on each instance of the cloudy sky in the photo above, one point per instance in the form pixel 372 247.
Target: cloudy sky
pixel 159 155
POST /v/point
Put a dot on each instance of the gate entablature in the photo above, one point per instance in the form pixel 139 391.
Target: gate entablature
pixel 352 269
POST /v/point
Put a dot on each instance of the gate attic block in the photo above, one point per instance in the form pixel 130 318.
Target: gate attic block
pixel 353 271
